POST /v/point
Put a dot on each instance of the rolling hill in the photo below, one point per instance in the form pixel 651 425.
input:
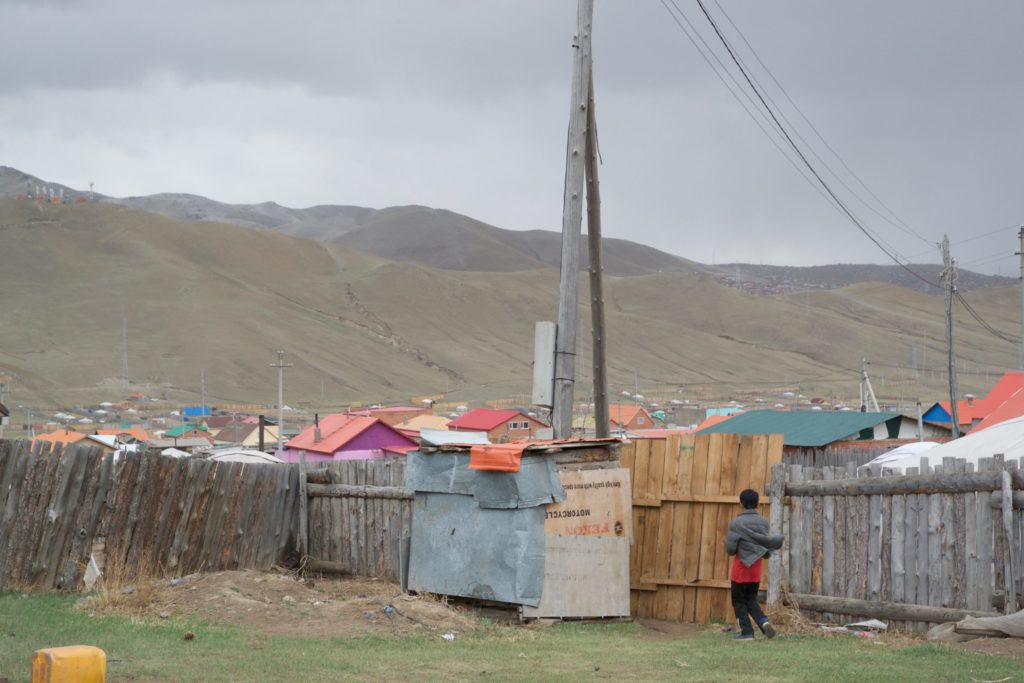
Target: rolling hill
pixel 438 238
pixel 220 299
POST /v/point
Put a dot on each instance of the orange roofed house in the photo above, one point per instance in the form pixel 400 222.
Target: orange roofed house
pixel 971 412
pixel 626 417
pixel 500 425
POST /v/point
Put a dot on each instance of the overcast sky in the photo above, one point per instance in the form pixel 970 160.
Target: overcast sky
pixel 464 105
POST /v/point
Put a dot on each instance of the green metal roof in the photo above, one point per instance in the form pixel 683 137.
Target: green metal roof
pixel 181 429
pixel 802 428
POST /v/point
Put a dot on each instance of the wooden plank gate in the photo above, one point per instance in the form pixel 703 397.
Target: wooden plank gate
pixel 685 493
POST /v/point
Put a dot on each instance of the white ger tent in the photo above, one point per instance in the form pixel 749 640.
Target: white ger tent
pixel 1006 438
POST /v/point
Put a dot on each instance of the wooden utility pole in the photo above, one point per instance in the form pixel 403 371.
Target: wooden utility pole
pixel 948 288
pixel 866 391
pixel 572 218
pixel 601 418
pixel 1020 252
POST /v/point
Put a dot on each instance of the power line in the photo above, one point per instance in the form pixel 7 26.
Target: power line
pixel 735 92
pixel 844 209
pixel 986 234
pixel 985 260
pixel 981 321
pixel 895 221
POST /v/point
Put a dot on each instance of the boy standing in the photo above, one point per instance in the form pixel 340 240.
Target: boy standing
pixel 749 541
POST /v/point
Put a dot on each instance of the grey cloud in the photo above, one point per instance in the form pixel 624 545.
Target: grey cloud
pixel 463 104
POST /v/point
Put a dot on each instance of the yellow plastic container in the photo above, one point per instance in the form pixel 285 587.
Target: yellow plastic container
pixel 72 664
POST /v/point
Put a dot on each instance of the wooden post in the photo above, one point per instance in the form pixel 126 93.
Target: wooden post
pixel 1008 564
pixel 303 511
pixel 572 217
pixel 776 489
pixel 949 286
pixel 600 371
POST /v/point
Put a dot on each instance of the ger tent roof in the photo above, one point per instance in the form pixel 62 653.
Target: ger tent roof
pixel 1006 438
pixel 811 428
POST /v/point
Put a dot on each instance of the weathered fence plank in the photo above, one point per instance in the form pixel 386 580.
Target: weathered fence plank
pixel 150 513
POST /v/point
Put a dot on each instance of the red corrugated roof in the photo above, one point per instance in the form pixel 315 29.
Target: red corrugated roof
pixel 335 431
pixel 1009 409
pixel 483 419
pixel 980 408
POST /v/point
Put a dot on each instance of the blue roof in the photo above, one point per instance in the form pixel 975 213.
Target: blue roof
pixel 804 428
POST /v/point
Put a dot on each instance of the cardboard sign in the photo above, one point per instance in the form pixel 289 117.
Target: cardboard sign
pixel 597 503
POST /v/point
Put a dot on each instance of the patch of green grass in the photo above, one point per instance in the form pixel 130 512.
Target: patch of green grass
pixel 152 650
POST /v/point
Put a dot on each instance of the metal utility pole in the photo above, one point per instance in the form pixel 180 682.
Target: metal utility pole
pixel 602 425
pixel 866 392
pixel 1020 252
pixel 949 286
pixel 202 382
pixel 572 218
pixel 280 365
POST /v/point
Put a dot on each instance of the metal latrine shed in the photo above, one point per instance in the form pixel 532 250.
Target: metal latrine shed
pixel 685 493
pixel 927 546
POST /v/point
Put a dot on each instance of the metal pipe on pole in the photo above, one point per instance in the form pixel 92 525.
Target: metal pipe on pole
pixel 602 423
pixel 572 218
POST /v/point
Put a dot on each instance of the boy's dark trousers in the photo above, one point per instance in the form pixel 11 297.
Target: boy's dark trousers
pixel 744 602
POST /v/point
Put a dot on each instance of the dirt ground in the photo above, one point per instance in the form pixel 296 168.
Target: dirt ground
pixel 1004 647
pixel 655 629
pixel 280 604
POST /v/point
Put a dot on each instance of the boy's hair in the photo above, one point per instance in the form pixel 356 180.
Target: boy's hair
pixel 749 499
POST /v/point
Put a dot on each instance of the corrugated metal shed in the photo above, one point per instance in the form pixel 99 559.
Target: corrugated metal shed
pixel 805 428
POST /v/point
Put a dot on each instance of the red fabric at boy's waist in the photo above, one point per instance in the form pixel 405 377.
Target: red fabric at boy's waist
pixel 741 573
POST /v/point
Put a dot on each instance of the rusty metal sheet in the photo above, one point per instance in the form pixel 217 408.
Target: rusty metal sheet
pixel 459 548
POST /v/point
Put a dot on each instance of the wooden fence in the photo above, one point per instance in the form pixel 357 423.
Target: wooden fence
pixel 359 518
pixel 925 547
pixel 685 493
pixel 147 512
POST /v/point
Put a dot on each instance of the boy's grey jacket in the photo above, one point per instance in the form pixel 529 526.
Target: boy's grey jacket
pixel 749 538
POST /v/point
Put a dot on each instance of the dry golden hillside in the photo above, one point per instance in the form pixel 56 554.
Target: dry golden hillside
pixel 221 299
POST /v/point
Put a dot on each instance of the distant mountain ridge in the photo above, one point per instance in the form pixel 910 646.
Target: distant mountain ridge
pixel 439 238
pixel 215 301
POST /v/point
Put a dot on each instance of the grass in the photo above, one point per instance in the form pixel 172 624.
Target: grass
pixel 153 650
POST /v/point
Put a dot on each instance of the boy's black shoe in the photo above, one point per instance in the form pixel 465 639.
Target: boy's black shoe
pixel 743 636
pixel 768 630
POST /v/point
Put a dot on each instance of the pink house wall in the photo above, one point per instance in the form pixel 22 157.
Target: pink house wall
pixel 368 445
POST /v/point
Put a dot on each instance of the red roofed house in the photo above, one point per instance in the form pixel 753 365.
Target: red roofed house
pixel 348 437
pixel 1009 409
pixel 500 425
pixel 973 411
pixel 627 417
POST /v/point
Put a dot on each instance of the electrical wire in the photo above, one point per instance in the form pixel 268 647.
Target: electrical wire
pixel 981 321
pixel 737 91
pixel 843 208
pixel 895 220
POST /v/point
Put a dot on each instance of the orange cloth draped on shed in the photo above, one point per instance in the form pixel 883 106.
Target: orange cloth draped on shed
pixel 504 457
